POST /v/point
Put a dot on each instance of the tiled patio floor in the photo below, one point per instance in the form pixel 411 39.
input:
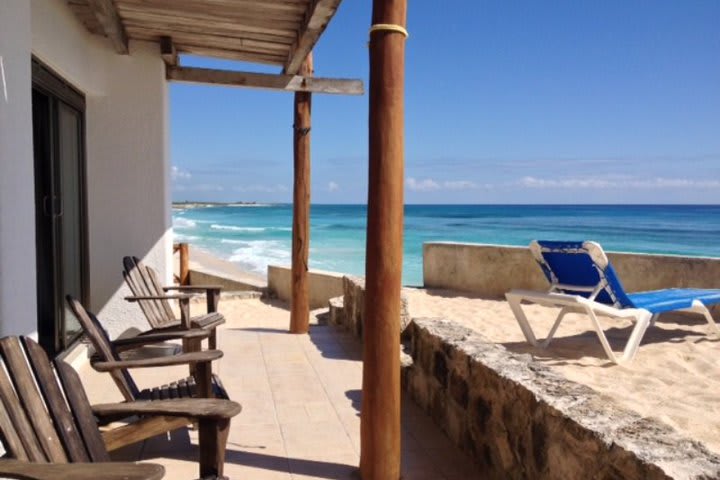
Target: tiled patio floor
pixel 301 398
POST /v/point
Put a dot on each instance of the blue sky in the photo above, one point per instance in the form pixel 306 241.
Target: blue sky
pixel 506 102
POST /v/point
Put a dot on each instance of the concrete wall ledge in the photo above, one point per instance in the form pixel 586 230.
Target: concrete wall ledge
pixel 493 270
pixel 323 285
pixel 519 419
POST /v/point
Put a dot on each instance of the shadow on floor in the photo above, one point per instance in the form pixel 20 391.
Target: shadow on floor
pixel 177 446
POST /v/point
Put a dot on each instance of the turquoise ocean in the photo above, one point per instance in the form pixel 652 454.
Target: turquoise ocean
pixel 253 236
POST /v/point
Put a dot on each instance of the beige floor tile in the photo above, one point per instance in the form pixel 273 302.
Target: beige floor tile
pixel 301 403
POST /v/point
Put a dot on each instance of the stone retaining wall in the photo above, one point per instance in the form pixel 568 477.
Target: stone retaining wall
pixel 492 270
pixel 348 310
pixel 520 420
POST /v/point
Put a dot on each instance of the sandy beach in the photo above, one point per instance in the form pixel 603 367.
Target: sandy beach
pixel 675 377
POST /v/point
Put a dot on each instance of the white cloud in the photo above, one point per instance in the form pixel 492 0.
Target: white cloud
pixel 261 188
pixel 430 185
pixel 616 182
pixel 333 187
pixel 177 173
pixel 459 185
pixel 427 185
pixel 201 187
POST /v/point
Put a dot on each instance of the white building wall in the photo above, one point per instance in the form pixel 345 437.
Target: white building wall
pixel 17 198
pixel 127 158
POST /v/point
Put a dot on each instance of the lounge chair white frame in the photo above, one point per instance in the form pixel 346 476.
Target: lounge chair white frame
pixel 576 304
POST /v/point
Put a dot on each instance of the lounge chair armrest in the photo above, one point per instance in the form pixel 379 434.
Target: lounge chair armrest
pixel 151 337
pixel 179 296
pixel 190 288
pixel 180 359
pixel 82 471
pixel 211 408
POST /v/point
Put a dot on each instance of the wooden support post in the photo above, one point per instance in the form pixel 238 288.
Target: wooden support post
pixel 184 264
pixel 300 302
pixel 380 418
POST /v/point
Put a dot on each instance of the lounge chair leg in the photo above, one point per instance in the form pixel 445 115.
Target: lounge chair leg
pixel 601 335
pixel 699 307
pixel 516 307
pixel 521 318
pixel 564 311
pixel 213 435
pixel 644 320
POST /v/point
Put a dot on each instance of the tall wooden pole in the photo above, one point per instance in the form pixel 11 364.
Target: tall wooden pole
pixel 380 419
pixel 184 264
pixel 300 302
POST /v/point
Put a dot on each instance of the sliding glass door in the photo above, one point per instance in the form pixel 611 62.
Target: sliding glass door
pixel 60 213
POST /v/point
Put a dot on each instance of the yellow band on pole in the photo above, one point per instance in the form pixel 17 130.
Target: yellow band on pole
pixel 389 27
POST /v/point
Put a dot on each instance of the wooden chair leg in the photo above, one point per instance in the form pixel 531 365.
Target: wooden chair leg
pixel 213 435
pixel 212 340
pixel 213 297
pixel 192 345
pixel 203 377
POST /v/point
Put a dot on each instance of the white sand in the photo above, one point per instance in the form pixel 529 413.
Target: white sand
pixel 674 378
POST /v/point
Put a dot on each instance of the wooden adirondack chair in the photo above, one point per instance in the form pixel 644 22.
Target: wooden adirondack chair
pixel 202 384
pixel 47 417
pixel 154 301
pixel 80 471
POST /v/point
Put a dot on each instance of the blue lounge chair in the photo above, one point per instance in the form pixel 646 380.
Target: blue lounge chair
pixel 583 281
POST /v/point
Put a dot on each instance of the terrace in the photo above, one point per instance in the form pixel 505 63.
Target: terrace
pixel 301 399
pixel 470 409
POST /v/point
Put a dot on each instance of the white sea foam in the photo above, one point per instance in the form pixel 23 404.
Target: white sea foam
pixel 179 237
pixel 180 222
pixel 234 228
pixel 256 255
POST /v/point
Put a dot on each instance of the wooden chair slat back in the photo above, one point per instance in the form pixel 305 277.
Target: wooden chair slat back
pixel 153 280
pixel 55 401
pixel 136 282
pixel 17 434
pixel 31 400
pixel 80 406
pixel 103 347
pixel 135 278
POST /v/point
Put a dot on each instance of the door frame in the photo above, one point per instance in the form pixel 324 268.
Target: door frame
pixel 50 83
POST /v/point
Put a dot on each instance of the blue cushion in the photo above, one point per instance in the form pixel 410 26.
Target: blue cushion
pixel 571 265
pixel 658 301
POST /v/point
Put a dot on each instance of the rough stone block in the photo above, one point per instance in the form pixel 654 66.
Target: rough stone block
pixel 521 420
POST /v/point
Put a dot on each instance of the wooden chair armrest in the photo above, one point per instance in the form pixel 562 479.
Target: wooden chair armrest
pixel 179 359
pixel 81 471
pixel 179 296
pixel 190 288
pixel 212 408
pixel 158 337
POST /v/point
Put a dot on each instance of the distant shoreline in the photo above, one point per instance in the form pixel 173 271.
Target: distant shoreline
pixel 189 205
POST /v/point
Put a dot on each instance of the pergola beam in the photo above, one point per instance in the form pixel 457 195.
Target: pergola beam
pixel 108 18
pixel 168 52
pixel 316 19
pixel 289 83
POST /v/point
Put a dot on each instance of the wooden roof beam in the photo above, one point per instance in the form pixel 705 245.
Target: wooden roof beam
pixel 317 18
pixel 168 52
pixel 108 18
pixel 288 83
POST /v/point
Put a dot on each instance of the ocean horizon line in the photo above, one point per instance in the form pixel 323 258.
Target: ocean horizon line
pixel 257 203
